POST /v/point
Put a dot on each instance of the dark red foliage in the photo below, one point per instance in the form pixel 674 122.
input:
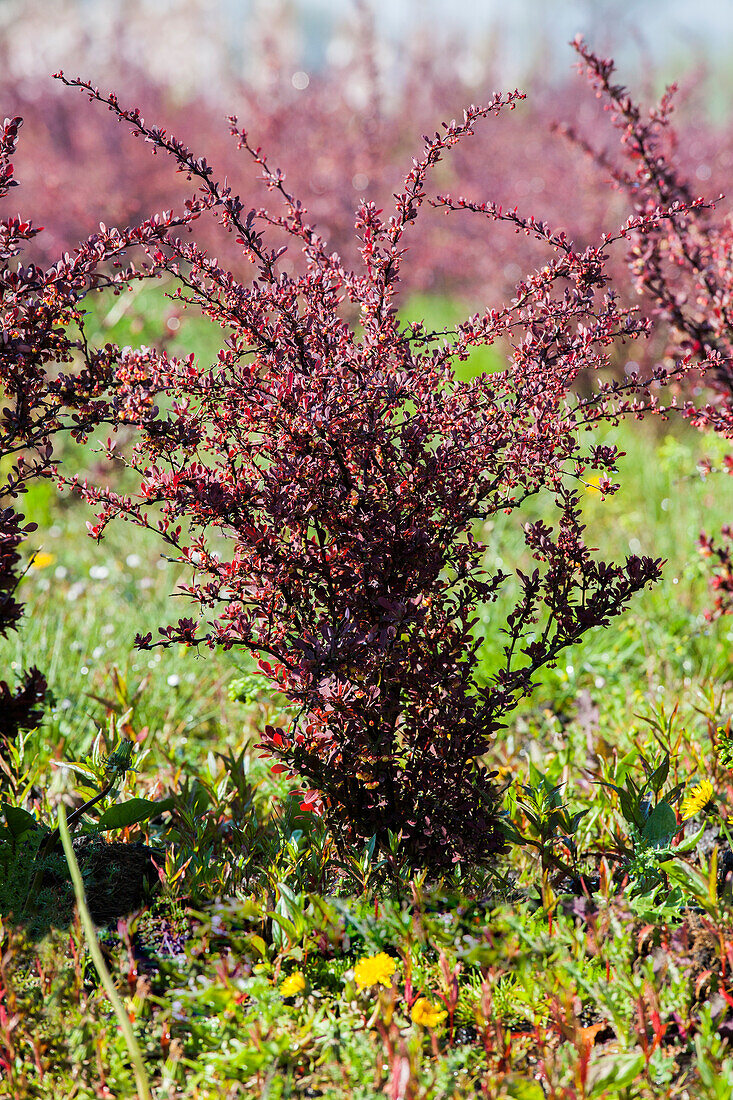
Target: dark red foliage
pixel 19 708
pixel 682 266
pixel 326 481
pixel 722 580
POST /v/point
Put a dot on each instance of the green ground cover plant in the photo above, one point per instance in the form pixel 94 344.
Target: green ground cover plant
pixel 274 951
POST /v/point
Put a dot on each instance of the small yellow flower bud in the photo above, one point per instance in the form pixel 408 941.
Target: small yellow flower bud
pixel 426 1014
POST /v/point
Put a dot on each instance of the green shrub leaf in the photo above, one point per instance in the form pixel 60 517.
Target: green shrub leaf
pixel 130 813
pixel 19 820
pixel 660 826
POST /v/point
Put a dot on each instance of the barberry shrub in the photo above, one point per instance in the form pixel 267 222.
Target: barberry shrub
pixel 681 265
pixel 327 478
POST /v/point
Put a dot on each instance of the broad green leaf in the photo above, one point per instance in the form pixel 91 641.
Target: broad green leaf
pixel 659 776
pixel 132 812
pixel 628 808
pixel 660 826
pixel 289 895
pixel 511 833
pixel 615 1071
pixel 286 925
pixel 259 944
pixel 690 879
pixel 84 772
pixel 19 820
pixel 689 843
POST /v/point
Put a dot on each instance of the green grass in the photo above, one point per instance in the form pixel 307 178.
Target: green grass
pixel 548 991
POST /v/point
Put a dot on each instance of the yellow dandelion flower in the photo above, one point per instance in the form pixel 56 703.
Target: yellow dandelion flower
pixel 593 484
pixel 697 799
pixel 426 1014
pixel 375 970
pixel 293 984
pixel 42 559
